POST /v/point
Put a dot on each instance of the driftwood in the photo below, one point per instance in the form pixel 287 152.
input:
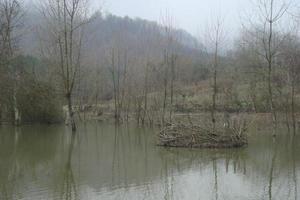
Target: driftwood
pixel 193 136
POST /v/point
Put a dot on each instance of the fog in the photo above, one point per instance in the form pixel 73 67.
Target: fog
pixel 189 15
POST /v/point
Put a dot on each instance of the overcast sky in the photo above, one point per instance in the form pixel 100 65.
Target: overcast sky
pixel 191 15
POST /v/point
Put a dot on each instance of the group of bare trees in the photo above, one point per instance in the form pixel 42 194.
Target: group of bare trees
pixel 268 49
pixel 274 46
pixel 62 36
pixel 10 22
pixel 151 74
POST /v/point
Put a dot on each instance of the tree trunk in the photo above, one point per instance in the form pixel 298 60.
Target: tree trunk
pixel 17 114
pixel 173 61
pixel 145 95
pixel 166 65
pixel 287 113
pixel 271 101
pixel 215 90
pixel 293 107
pixel 270 56
pixel 253 95
pixel 70 114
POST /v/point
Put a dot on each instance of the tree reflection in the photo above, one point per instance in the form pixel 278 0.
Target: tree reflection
pixel 10 171
pixel 168 181
pixel 272 168
pixel 115 158
pixel 69 187
pixel 215 169
pixel 294 151
pixel 130 166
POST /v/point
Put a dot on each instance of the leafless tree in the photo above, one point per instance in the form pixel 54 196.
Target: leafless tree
pixel 118 71
pixel 10 21
pixel 269 13
pixel 215 39
pixel 66 20
pixel 169 63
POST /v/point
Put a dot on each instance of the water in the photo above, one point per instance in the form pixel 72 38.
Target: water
pixel 107 162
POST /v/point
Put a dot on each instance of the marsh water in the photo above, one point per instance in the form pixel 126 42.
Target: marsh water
pixel 104 161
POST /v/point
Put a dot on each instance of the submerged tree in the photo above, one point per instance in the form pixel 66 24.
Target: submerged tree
pixel 270 12
pixel 66 21
pixel 118 71
pixel 271 16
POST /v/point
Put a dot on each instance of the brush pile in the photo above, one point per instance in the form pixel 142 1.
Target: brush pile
pixel 193 136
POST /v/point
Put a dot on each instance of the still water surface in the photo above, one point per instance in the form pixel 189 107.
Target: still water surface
pixel 107 162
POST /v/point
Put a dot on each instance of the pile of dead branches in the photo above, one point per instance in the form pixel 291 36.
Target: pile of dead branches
pixel 194 136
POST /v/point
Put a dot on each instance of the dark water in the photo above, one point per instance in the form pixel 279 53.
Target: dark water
pixel 107 162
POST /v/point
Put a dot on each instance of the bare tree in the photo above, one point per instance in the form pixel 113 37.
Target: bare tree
pixel 215 38
pixel 118 71
pixel 270 12
pixel 66 21
pixel 10 21
pixel 169 63
pixel 271 17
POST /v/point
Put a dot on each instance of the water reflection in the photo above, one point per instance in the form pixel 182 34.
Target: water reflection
pixel 215 169
pixel 272 170
pixel 294 150
pixel 105 161
pixel 69 187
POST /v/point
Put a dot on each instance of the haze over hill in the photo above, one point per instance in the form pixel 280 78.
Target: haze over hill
pixel 105 28
pixel 190 15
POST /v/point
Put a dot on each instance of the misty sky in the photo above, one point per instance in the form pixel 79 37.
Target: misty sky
pixel 191 15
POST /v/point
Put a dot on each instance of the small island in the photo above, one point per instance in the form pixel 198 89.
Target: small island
pixel 195 136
